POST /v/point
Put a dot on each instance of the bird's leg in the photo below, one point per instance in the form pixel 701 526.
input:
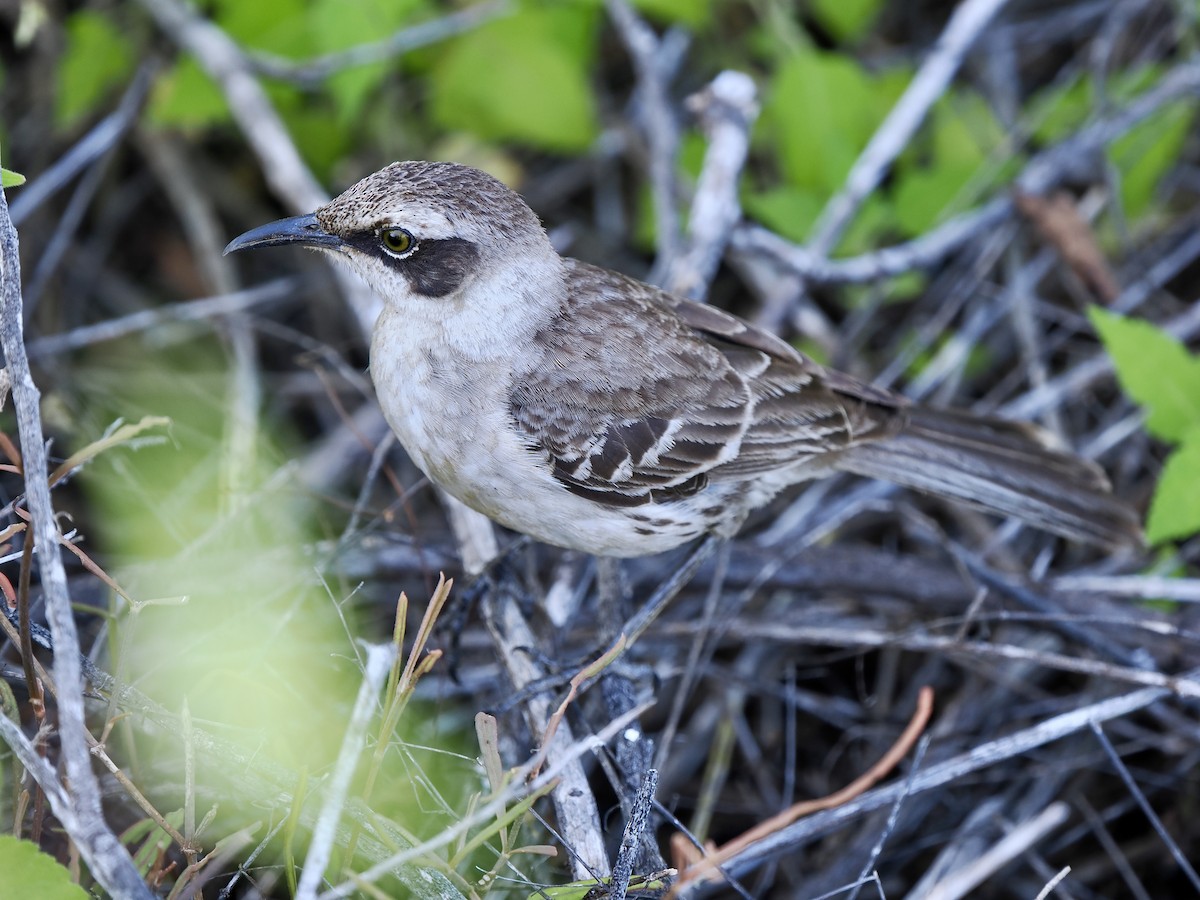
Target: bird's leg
pixel 634 750
pixel 499 571
pixel 615 596
pixel 666 591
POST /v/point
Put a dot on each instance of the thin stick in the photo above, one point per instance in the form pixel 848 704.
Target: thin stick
pixel 706 866
pixel 79 812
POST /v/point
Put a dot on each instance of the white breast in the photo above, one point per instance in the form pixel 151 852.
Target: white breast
pixel 451 414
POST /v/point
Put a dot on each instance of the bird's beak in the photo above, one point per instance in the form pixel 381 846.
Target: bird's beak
pixel 304 230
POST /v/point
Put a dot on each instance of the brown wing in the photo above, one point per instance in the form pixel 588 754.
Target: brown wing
pixel 635 395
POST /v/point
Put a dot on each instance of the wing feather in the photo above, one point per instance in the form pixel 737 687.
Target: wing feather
pixel 711 397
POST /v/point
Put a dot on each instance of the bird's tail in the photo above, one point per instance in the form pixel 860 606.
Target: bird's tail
pixel 1000 466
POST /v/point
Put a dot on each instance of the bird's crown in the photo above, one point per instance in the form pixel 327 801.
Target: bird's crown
pixel 432 200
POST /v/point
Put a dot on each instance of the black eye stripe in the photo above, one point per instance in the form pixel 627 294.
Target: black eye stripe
pixel 432 268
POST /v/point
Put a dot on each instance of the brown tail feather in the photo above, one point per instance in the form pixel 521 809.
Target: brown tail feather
pixel 1000 466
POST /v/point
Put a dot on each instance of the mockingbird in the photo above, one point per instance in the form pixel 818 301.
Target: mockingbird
pixel 595 412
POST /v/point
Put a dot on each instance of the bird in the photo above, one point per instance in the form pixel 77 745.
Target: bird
pixel 594 412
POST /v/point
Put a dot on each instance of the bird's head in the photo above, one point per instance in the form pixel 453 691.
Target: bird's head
pixel 417 230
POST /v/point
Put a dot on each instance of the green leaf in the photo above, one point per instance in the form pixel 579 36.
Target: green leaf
pixel 187 98
pixel 1147 152
pixel 98 57
pixel 846 20
pixel 336 25
pixel 1057 111
pixel 28 872
pixel 280 26
pixel 523 78
pixel 788 211
pixel 820 111
pixel 8 178
pixel 694 13
pixel 1175 509
pixel 1155 370
pixel 922 195
pixel 953 160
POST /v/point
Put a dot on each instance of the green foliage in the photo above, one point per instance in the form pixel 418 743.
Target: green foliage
pixel 1155 370
pixel 98 57
pixel 147 841
pixel 1056 112
pixel 1158 372
pixel 820 110
pixel 787 210
pixel 185 97
pixel 693 13
pixel 1175 509
pixel 522 78
pixel 1141 156
pixel 9 178
pixel 846 20
pixel 1145 154
pixel 27 872
pixel 944 169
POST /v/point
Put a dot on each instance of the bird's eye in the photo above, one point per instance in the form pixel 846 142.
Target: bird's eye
pixel 396 241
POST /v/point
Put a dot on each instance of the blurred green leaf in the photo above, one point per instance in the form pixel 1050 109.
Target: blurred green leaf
pixel 523 78
pixel 336 25
pixel 28 872
pixel 280 26
pixel 694 13
pixel 9 178
pixel 1057 111
pixel 875 220
pixel 788 211
pixel 319 132
pixel 1175 509
pixel 1155 370
pixel 945 167
pixel 98 56
pixel 186 97
pixel 964 130
pixel 1147 152
pixel 921 195
pixel 846 20
pixel 819 113
pixel 977 362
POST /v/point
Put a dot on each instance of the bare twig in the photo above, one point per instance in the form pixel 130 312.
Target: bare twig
pixel 903 744
pixel 986 754
pixel 726 109
pixel 1176 853
pixel 80 812
pixel 961 882
pixel 90 148
pixel 410 37
pixel 1042 173
pixel 639 816
pixel 578 816
pixel 286 173
pixel 202 310
pixel 63 237
pixel 659 124
pixel 968 21
pixel 375 672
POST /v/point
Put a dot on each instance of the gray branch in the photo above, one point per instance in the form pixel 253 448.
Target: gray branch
pixel 80 811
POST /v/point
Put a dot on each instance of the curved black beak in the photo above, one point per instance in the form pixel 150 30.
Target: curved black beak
pixel 304 230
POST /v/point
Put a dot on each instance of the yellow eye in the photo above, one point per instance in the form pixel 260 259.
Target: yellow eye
pixel 396 240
